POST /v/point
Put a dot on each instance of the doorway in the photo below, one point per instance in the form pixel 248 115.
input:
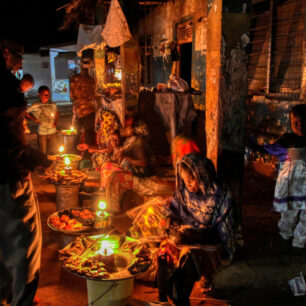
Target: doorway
pixel 185 62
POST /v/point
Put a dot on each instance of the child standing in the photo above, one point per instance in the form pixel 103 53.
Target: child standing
pixel 45 114
pixel 290 188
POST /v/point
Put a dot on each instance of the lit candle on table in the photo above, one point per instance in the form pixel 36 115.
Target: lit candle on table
pixel 107 253
pixel 61 150
pixel 103 219
pixel 68 169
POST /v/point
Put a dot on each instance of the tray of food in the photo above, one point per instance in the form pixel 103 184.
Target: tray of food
pixel 125 258
pixel 79 221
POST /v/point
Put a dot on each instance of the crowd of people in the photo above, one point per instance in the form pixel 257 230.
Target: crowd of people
pixel 198 210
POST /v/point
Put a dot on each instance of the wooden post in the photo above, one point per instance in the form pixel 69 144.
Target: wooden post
pixel 213 76
pixel 303 91
pixel 130 59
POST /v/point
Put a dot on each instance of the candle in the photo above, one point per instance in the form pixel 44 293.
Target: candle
pixel 103 218
pixel 61 150
pixel 68 169
pixel 107 254
pixel 101 205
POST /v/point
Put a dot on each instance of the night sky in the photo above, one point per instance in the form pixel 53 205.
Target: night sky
pixel 35 22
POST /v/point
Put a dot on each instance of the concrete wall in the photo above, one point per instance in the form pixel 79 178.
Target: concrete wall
pixel 160 26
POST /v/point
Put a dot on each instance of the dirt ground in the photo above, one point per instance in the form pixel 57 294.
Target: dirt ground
pixel 258 276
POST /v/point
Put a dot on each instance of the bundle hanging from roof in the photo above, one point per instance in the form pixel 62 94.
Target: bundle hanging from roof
pixel 116 31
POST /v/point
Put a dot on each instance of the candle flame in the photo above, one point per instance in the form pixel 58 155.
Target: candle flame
pixel 106 248
pixel 61 149
pixel 102 205
pixel 118 74
pixel 72 128
pixel 67 161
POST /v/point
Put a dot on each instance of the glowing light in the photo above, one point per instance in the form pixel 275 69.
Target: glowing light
pixel 67 161
pixel 72 128
pixel 106 248
pixel 118 74
pixel 101 205
pixel 61 149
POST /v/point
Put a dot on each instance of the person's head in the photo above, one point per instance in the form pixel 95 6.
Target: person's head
pixel 12 54
pixel 44 93
pixel 26 83
pixel 188 178
pixel 197 172
pixel 298 119
pixel 114 139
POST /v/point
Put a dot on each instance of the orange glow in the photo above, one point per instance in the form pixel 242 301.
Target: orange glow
pixel 67 161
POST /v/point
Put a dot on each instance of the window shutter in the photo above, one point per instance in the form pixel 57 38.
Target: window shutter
pixel 276 48
pixel 184 32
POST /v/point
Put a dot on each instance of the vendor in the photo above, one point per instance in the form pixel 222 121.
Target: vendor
pixel 134 155
pixel 201 212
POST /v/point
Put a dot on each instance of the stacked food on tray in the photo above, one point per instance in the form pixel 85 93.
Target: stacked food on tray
pixel 80 219
pixel 62 177
pixel 106 257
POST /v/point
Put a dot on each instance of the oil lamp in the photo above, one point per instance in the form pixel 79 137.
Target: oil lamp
pixel 68 169
pixel 107 253
pixel 61 150
pixel 103 219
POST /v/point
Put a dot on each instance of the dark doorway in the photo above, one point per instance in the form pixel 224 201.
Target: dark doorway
pixel 185 62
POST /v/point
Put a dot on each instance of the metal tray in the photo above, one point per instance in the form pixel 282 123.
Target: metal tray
pixel 84 230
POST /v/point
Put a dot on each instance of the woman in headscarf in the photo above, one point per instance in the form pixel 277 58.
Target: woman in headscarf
pixel 201 212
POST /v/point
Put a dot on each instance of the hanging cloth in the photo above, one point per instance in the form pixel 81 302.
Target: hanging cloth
pixel 89 37
pixel 116 31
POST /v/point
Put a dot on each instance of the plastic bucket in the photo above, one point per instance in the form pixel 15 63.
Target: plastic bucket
pixel 67 196
pixel 112 293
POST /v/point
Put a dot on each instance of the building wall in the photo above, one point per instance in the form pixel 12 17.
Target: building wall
pixel 160 25
pixel 268 113
pixel 39 67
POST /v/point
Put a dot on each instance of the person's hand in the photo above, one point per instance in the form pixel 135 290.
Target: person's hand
pixel 82 146
pixel 118 156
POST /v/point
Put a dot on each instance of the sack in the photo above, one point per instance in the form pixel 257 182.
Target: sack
pixel 176 83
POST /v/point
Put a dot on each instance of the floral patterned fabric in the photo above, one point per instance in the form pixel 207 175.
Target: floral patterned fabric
pixel 106 122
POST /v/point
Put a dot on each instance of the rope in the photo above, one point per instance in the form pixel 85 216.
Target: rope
pixel 100 296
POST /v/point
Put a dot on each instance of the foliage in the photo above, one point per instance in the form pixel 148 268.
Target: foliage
pixel 79 12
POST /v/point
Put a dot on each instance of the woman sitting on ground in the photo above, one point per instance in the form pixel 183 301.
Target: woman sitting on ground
pixel 130 169
pixel 201 212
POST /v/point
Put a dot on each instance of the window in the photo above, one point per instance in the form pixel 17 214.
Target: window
pixel 276 49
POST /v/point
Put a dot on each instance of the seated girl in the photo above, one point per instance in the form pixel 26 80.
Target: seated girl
pixel 201 212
